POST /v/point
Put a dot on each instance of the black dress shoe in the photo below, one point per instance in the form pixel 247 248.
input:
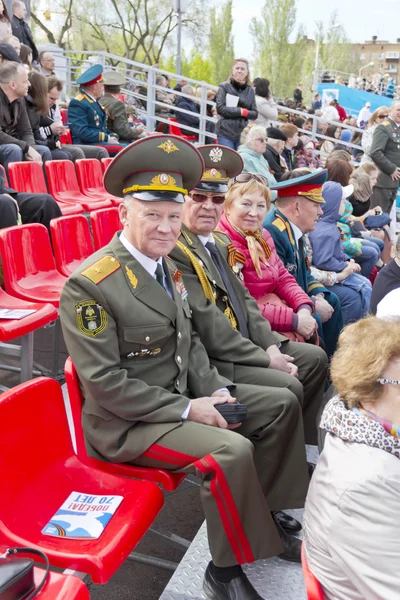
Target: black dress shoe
pixel 238 588
pixel 291 545
pixel 288 523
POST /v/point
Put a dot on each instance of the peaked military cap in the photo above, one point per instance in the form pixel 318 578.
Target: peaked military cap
pixel 308 186
pixel 220 165
pixel 113 78
pixel 91 76
pixel 158 167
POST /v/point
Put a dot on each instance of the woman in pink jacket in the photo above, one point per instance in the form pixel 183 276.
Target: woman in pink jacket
pixel 279 297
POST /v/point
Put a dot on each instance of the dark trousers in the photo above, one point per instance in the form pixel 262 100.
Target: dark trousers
pixel 330 330
pixel 33 208
pixel 383 197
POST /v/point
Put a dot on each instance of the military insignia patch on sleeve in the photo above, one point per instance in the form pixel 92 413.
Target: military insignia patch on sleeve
pixel 91 317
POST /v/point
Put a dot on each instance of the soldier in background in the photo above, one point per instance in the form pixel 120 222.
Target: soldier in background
pixel 117 118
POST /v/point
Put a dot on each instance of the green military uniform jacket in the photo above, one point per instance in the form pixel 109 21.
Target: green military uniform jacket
pixel 209 317
pixel 385 152
pixel 117 120
pixel 134 350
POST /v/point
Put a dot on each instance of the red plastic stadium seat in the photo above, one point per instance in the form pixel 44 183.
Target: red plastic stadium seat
pixel 313 587
pixel 10 329
pixel 72 242
pixel 28 264
pixel 175 129
pixel 105 223
pixel 64 115
pixel 168 480
pixel 90 178
pixel 40 470
pixel 105 162
pixel 60 586
pixel 112 149
pixel 64 187
pixel 29 177
pixel 66 138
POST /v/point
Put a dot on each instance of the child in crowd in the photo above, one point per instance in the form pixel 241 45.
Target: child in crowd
pixel 307 156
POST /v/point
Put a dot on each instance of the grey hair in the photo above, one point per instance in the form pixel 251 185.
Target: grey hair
pixel 9 71
pixel 273 142
pixel 394 103
pixel 252 132
pixel 17 4
pixel 188 89
pixel 160 79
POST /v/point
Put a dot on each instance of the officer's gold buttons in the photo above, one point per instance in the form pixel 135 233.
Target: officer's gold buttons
pixel 179 335
pixel 178 360
pixel 147 338
pixel 225 298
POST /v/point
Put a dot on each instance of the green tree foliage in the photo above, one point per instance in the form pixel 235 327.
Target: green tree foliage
pixel 220 49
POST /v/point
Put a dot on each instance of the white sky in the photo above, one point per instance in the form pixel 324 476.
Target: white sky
pixel 361 19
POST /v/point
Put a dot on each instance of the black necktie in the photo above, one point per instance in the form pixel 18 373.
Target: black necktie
pixel 233 301
pixel 160 275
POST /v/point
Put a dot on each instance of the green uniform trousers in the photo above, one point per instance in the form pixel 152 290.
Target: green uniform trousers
pixel 246 473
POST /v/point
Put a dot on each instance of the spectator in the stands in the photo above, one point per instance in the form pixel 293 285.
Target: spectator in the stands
pixel 46 63
pixel 327 146
pixel 14 42
pixel 7 53
pixel 273 152
pixel 26 57
pixel 299 122
pixel 317 102
pixel 117 118
pixel 308 124
pixel 341 110
pixel 236 105
pixel 330 112
pixel 37 108
pixel 388 279
pixel 298 94
pixel 179 85
pixel 16 137
pixel 364 114
pixel 20 27
pixel 353 501
pixel 53 131
pixel 254 143
pixel 377 118
pixel 164 97
pixel 345 138
pixel 292 139
pixel 187 104
pixel 266 106
pixel 5 23
pixel 306 157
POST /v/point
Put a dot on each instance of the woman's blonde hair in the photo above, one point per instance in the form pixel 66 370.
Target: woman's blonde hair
pixel 373 117
pixel 365 350
pixel 252 132
pixel 237 189
pixel 369 168
pixel 243 60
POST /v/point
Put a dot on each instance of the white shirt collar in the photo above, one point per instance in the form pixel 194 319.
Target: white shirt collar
pixel 297 232
pixel 147 263
pixel 205 239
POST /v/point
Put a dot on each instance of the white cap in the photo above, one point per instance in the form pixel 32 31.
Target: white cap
pixel 389 306
pixel 347 190
pixel 368 104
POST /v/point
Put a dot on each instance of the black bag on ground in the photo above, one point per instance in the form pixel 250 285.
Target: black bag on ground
pixel 16 574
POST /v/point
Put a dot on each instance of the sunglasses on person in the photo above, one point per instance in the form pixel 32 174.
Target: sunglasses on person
pixel 215 198
pixel 382 116
pixel 246 177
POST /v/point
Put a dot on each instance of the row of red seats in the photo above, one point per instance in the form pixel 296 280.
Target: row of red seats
pixel 76 188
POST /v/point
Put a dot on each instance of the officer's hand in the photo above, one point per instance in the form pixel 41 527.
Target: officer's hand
pixel 140 129
pixel 202 410
pixel 323 308
pixel 396 174
pixel 33 155
pixel 281 362
pixel 307 324
pixel 112 140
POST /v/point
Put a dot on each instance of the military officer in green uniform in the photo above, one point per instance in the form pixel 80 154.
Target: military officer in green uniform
pixel 150 391
pixel 117 119
pixel 252 352
pixel 385 152
pixel 88 119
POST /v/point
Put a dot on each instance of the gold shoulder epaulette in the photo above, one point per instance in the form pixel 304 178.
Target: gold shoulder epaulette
pixel 101 269
pixel 221 237
pixel 279 224
pixel 386 123
pixel 79 96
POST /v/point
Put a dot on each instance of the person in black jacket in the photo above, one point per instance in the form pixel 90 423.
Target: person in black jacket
pixel 274 149
pixel 298 95
pixel 21 29
pixel 193 120
pixel 236 105
pixel 37 109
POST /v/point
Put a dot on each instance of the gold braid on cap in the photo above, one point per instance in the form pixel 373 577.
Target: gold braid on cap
pixel 315 194
pixel 156 188
pixel 201 274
